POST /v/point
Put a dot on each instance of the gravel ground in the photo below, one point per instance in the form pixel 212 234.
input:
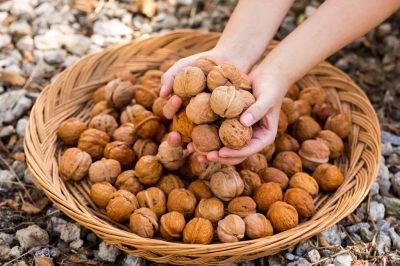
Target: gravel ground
pixel 40 38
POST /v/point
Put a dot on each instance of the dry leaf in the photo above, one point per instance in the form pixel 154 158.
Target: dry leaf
pixel 44 261
pixel 13 78
pixel 147 7
pixel 9 20
pixel 359 263
pixel 13 204
pixel 42 203
pixel 322 241
pixel 87 6
pixel 29 208
pixel 353 219
pixel 76 259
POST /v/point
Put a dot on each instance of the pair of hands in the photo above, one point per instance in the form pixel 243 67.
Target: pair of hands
pixel 263 115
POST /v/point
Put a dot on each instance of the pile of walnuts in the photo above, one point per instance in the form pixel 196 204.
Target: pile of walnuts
pixel 163 191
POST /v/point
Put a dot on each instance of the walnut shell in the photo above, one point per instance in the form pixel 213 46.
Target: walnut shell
pixel 246 82
pixel 301 200
pixel 127 180
pixel 282 216
pixel 143 222
pixel 257 226
pixel 153 75
pixel 125 75
pixel 303 106
pixel 231 229
pixel 283 124
pixel 130 112
pixel 189 82
pixel 104 122
pixel 328 177
pixel 172 158
pixel 121 205
pixel 251 182
pixel 167 64
pixel 290 110
pixel 145 147
pixel 201 189
pixel 202 170
pixel 255 163
pixel 306 182
pixel 75 164
pixel 172 225
pixel 293 92
pixel 248 99
pixel 211 209
pixel 125 133
pixel 224 74
pixel 93 141
pixel 104 170
pixel 122 152
pixel 183 201
pixel 226 101
pixel 199 109
pixel 70 130
pixel 313 152
pixel 158 109
pixel 340 124
pixel 226 184
pixel 268 151
pixel 148 169
pixel 234 135
pixel 288 162
pixel 321 112
pixel 305 128
pixel 333 141
pixel 205 139
pixel 154 199
pixel 183 125
pixel 205 63
pixel 198 231
pixel 103 107
pixel 146 95
pixel 147 125
pixel 169 182
pixel 242 206
pixel 266 194
pixel 312 95
pixel 119 93
pixel 98 95
pixel 100 193
pixel 286 143
pixel 272 174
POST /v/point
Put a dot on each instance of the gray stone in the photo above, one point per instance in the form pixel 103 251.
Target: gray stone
pixel 383 225
pixel 185 2
pixel 355 228
pixel 169 22
pixel 16 251
pixel 20 26
pixel 70 232
pixel 130 260
pixel 14 68
pixel 6 179
pixel 387 137
pixel 310 10
pixel 326 253
pixel 313 256
pixel 62 244
pixel 384 30
pixel 383 243
pixel 91 237
pixel 6 6
pixel 94 49
pixel 392 206
pixel 383 176
pixel 376 210
pixel 42 68
pixel 7 131
pixel 287 26
pixel 28 177
pixel 32 236
pixel 393 158
pixel 98 39
pixel 342 64
pixel 21 127
pixel 7 238
pixel 25 43
pixel 387 149
pixel 20 263
pixel 356 237
pixel 303 247
pixel 52 39
pixel 55 56
pixel 44 252
pixel 396 184
pixel 8 117
pixel 111 28
pixel 110 40
pixel 366 234
pixel 44 8
pixel 4 248
pixel 375 189
pixel 77 44
pixel 23 105
pixel 273 261
pixel 299 262
pixel 66 29
pixel 22 10
pixel 76 244
pixel 108 252
pixel 58 224
pixel 28 68
pixel 18 168
pixel 70 60
pixel 247 263
pixel 332 235
pixel 40 26
pixel 291 257
pixel 5 39
pixel 395 238
pixel 343 260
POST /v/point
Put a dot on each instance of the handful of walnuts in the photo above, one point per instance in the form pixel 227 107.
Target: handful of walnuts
pixel 136 178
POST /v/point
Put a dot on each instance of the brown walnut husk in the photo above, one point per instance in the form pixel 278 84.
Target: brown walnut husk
pixel 147 125
pixel 121 205
pixel 257 226
pixel 145 147
pixel 255 163
pixel 183 201
pixel 154 199
pixel 127 180
pixel 189 82
pixel 75 164
pixel 205 63
pixel 125 133
pixel 183 125
pixel 234 135
pixel 306 182
pixel 119 93
pixel 169 182
pixel 226 184
pixel 104 122
pixel 301 200
pixel 143 222
pixel 226 101
pixel 328 177
pixel 104 170
pixel 224 74
pixel 199 109
pixel 198 231
pixel 172 158
pixel 70 130
pixel 251 182
pixel 93 142
pixel 288 162
pixel 266 195
pixel 100 193
pixel 205 138
pixel 231 229
pixel 242 206
pixel 172 225
pixel 211 209
pixel 283 216
pixel 122 152
pixel 148 169
pixel 201 189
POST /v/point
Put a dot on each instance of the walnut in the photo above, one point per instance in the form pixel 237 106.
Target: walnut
pixel 148 169
pixel 328 177
pixel 104 170
pixel 121 205
pixel 283 124
pixel 125 133
pixel 158 109
pixel 231 229
pixel 211 209
pixel 167 64
pixel 119 93
pixel 255 163
pixel 293 92
pixel 226 184
pixel 305 128
pixel 202 170
pixel 322 111
pixel 272 174
pixel 246 82
pixel 248 99
pixel 251 182
pixel 268 151
pixel 303 106
pixel 224 74
pixel 198 231
pixel 282 216
pixel 306 182
pixel 172 158
pixel 104 122
pixel 98 95
pixel 199 109
pixel 147 125
pixel 121 152
pixel 130 112
pixel 205 63
pixel 286 143
pixel 242 206
pixel 290 110
pixel 288 162
pixel 70 130
pixel 153 75
pixel 205 139
pixel 312 95
pixel 313 152
pixel 301 200
pixel 143 222
pixel 93 141
pixel 75 164
pixel 189 82
pixel 154 199
pixel 333 141
pixel 226 101
pixel 100 193
pixel 183 201
pixel 340 124
pixel 257 226
pixel 234 135
pixel 266 194
pixel 201 189
pixel 125 75
pixel 172 225
pixel 169 182
pixel 127 180
pixel 103 107
pixel 183 125
pixel 146 95
pixel 145 147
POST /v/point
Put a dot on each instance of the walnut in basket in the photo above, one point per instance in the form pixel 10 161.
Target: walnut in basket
pixel 199 109
pixel 122 152
pixel 104 170
pixel 201 189
pixel 266 195
pixel 143 222
pixel 255 163
pixel 198 231
pixel 234 135
pixel 257 226
pixel 119 93
pixel 205 139
pixel 154 199
pixel 145 147
pixel 104 122
pixel 183 201
pixel 75 164
pixel 127 180
pixel 148 169
pixel 283 216
pixel 93 141
pixel 301 200
pixel 226 101
pixel 121 205
pixel 224 74
pixel 125 133
pixel 169 182
pixel 340 124
pixel 147 125
pixel 172 225
pixel 242 206
pixel 306 182
pixel 189 82
pixel 70 130
pixel 328 176
pixel 172 158
pixel 231 229
pixel 226 184
pixel 211 209
pixel 100 193
pixel 251 181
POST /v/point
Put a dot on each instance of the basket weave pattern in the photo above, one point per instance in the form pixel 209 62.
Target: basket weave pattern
pixel 70 95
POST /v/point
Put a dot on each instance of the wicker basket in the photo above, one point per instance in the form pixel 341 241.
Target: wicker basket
pixel 70 95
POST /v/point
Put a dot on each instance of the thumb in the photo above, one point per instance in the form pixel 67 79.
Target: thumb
pixel 257 110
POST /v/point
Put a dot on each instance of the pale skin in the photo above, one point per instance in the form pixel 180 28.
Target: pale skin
pixel 252 26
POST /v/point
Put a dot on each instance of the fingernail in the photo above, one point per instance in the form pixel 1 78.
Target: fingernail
pixel 248 119
pixel 162 89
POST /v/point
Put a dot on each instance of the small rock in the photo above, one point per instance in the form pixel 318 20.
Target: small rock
pixel 44 252
pixel 130 260
pixel 55 56
pixel 310 10
pixel 77 44
pixel 28 178
pixel 384 30
pixel 332 235
pixel 395 238
pixel 70 60
pixel 291 257
pixel 52 39
pixel 7 131
pixel 91 237
pixel 342 64
pixel 21 126
pixel 7 238
pixel 18 168
pixel 396 184
pixel 23 105
pixel 4 248
pixel 303 247
pixel 65 29
pixel 32 236
pixel 70 232
pixel 313 256
pixel 392 206
pixel 356 237
pixel 383 243
pixel 98 39
pixel 8 117
pixel 111 28
pixel 108 252
pixel 20 26
pixel 44 8
pixel 383 225
pixel 247 263
pixel 355 228
pixel 376 210
pixel 5 39
pixel 387 149
pixel 25 43
pixel 299 262
pixel 185 2
pixel 393 158
pixel 287 26
pixel 62 244
pixel 94 49
pixel 375 189
pixel 272 261
pixel 326 253
pixel 6 179
pixel 170 22
pixel 22 10
pixel 28 68
pixel 383 176
pixel 366 234
pixel 16 251
pixel 40 26
pixel 76 244
pixel 387 137
pixel 58 224
pixel 343 260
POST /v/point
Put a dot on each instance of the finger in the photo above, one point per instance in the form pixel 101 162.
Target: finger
pixel 214 157
pixel 257 110
pixel 174 139
pixel 172 106
pixel 200 158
